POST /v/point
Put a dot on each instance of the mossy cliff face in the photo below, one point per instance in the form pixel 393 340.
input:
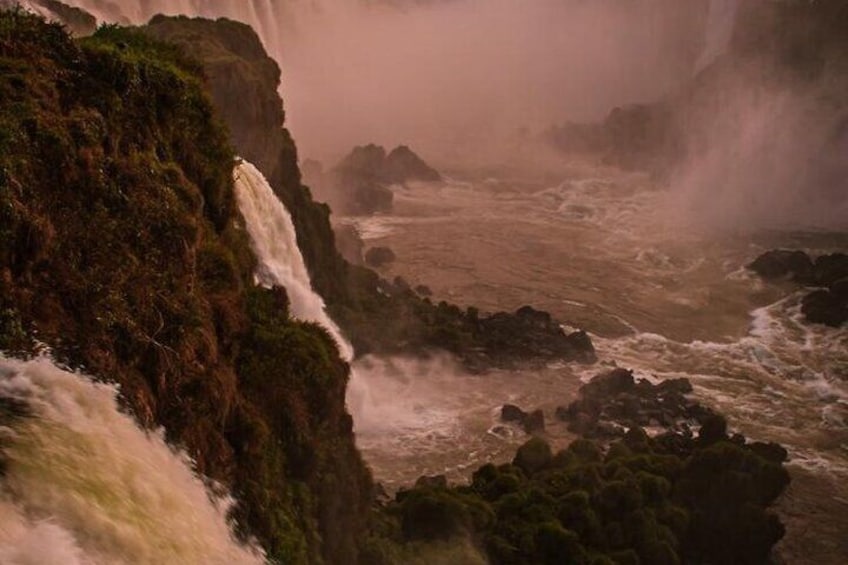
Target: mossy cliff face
pixel 243 82
pixel 119 248
pixel 378 316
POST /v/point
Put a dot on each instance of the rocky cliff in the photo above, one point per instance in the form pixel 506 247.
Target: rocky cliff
pixel 121 250
pixel 379 316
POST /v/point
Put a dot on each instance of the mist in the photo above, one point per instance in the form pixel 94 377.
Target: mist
pixel 769 158
pixel 459 79
pixel 766 128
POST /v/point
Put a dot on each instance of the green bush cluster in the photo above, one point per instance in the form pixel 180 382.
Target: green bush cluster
pixel 642 500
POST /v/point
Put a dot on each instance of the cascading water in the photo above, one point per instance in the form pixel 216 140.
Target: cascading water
pixel 275 243
pixel 718 31
pixel 85 485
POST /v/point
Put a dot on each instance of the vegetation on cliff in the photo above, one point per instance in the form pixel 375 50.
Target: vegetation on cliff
pixel 378 316
pixel 121 250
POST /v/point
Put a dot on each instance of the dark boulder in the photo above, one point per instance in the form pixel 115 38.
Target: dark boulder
pixel 512 413
pixel 612 383
pixel 423 290
pixel 531 422
pixel 534 422
pixel 784 264
pixel 402 165
pixel 774 452
pixel 379 256
pixel 401 284
pixel 614 401
pixel 359 184
pixel 831 268
pixel 839 289
pixel 434 481
pixel 713 429
pixel 531 334
pixel 830 306
pixel 824 307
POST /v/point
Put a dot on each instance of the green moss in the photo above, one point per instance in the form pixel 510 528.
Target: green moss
pixel 120 246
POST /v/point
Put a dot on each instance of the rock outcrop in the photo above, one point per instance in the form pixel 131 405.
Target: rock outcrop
pixel 122 248
pixel 828 304
pixel 379 257
pixel 530 422
pixel 359 184
pixel 613 402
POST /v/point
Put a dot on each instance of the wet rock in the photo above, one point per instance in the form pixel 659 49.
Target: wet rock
pixel 434 481
pixel 713 429
pixel 674 386
pixel 839 289
pixel 348 243
pixel 783 263
pixel 531 422
pixel 824 307
pixel 831 268
pixel 379 256
pixel 531 334
pixel 402 165
pixel 534 422
pixel 612 383
pixel 614 400
pixel 772 451
pixel 401 284
pixel 512 413
pixel 359 184
pixel 423 290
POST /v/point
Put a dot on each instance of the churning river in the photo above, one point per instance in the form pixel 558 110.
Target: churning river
pixel 600 250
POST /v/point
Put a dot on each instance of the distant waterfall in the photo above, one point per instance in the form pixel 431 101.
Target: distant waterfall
pixel 265 16
pixel 275 243
pixel 718 31
pixel 84 485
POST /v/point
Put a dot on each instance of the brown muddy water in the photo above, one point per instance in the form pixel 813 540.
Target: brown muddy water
pixel 600 250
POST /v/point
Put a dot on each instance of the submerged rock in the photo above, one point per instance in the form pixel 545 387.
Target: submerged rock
pixel 531 422
pixel 824 307
pixel 379 256
pixel 828 306
pixel 831 268
pixel 782 263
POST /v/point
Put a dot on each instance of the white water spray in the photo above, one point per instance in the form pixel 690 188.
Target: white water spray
pixel 85 485
pixel 719 30
pixel 280 263
pixel 275 243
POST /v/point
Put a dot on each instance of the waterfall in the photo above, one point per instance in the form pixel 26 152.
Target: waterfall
pixel 718 31
pixel 265 16
pixel 85 485
pixel 274 241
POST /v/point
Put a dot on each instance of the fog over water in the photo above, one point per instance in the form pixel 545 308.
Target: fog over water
pixel 452 76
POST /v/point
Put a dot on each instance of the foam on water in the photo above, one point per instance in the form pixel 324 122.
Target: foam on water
pixel 85 485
